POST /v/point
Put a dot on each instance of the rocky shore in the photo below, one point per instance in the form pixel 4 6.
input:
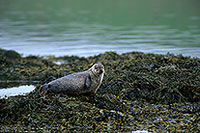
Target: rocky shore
pixel 139 92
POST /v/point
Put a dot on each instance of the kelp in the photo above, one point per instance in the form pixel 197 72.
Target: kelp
pixel 139 92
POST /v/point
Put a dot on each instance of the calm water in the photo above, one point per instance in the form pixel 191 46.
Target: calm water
pixel 89 27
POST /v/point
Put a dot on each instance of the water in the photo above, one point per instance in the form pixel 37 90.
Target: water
pixel 90 27
pixel 21 90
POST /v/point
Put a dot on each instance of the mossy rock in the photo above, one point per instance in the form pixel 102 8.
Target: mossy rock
pixel 9 56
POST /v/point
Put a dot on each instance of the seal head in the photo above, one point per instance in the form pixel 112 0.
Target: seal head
pixel 98 72
pixel 97 69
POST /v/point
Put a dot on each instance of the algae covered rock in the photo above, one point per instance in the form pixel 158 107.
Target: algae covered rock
pixel 131 76
pixel 139 92
pixel 9 56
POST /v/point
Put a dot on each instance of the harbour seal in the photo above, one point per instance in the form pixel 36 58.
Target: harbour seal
pixel 77 83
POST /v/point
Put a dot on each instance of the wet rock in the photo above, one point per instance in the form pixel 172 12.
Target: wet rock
pixel 10 55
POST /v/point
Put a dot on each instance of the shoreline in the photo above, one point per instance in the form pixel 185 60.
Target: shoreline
pixel 140 91
pixel 46 56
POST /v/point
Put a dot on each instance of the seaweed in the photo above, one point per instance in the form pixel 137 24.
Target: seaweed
pixel 139 92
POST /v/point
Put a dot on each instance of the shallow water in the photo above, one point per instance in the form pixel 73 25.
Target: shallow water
pixel 90 27
pixel 21 90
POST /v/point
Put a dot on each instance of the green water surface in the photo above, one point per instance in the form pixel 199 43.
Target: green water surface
pixel 89 27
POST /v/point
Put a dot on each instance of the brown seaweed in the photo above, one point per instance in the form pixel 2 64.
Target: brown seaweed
pixel 139 92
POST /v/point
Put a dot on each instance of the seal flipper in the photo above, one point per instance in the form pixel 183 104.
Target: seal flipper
pixel 88 82
pixel 45 87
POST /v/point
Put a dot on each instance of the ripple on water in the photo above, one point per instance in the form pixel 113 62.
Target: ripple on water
pixel 21 90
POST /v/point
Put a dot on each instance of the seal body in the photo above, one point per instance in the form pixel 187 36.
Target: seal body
pixel 78 83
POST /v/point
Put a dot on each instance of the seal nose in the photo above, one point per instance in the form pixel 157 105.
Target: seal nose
pixel 101 71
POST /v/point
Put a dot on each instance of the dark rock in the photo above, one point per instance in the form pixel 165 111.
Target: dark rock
pixel 9 56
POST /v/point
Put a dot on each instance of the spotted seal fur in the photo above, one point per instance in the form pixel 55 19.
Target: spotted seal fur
pixel 77 83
